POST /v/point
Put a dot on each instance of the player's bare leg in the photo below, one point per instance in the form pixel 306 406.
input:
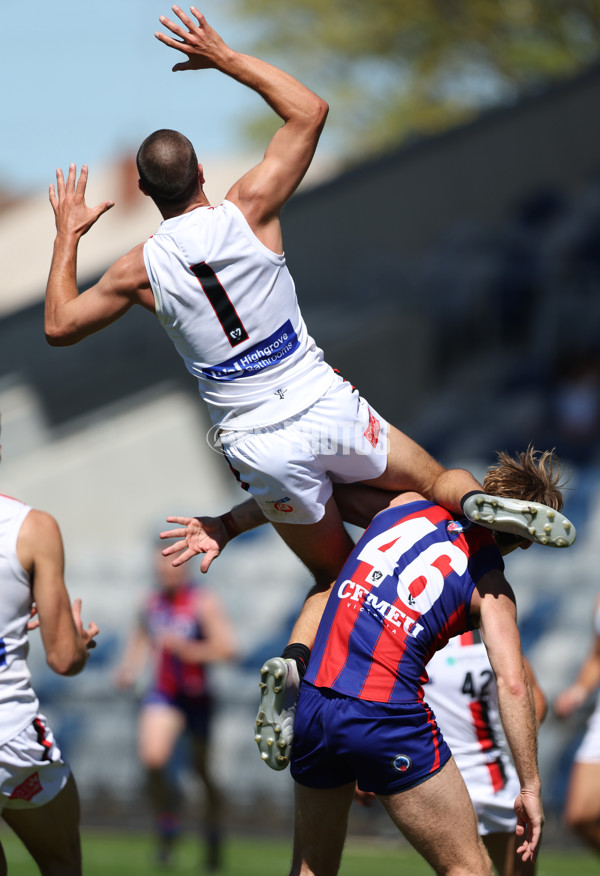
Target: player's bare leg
pixel 50 833
pixel 159 728
pixel 320 824
pixel 410 467
pixel 213 809
pixel 582 810
pixel 502 849
pixel 438 819
pixel 323 547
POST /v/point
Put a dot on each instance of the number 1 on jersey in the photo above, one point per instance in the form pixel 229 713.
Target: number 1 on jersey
pixel 226 313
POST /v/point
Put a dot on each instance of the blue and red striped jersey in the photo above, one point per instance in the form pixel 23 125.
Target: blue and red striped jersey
pixel 403 592
pixel 176 613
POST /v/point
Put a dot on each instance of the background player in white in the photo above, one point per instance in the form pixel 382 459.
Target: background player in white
pixel 582 809
pixel 38 795
pixel 463 694
pixel 217 280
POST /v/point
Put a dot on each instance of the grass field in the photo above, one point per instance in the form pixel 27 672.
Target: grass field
pixel 126 854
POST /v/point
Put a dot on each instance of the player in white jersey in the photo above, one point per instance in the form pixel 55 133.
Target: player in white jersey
pixel 216 279
pixel 582 809
pixel 38 795
pixel 463 695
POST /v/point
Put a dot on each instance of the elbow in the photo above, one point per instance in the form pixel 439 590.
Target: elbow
pixel 57 337
pixel 321 112
pixel 313 114
pixel 323 108
pixel 66 664
pixel 515 688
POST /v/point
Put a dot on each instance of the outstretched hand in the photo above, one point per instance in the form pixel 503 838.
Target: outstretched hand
pixel 203 45
pixel 198 535
pixel 71 213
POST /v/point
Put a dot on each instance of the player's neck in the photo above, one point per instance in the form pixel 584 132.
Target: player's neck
pixel 200 201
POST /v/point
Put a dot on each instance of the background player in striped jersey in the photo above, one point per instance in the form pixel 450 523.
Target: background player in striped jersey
pixel 582 810
pixel 38 794
pixel 217 280
pixel 184 629
pixel 463 694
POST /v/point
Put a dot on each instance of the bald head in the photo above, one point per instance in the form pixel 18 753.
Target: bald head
pixel 168 168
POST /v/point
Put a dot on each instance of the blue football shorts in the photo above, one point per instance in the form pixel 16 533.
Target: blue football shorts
pixel 197 711
pixel 385 747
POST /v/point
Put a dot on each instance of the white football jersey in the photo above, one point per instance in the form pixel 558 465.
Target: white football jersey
pixel 18 702
pixel 229 305
pixel 463 695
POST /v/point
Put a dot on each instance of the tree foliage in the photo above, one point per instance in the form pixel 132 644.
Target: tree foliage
pixel 396 68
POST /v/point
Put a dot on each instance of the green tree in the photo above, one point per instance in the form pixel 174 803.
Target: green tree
pixel 396 68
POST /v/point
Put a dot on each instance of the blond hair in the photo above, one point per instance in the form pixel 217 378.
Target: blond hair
pixel 532 475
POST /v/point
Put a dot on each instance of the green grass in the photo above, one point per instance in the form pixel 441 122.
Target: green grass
pixel 130 854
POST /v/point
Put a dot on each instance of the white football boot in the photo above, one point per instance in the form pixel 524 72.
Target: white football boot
pixel 530 520
pixel 279 685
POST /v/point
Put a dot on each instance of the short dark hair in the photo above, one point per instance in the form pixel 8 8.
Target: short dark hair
pixel 168 167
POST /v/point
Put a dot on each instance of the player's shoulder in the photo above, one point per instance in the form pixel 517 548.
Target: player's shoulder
pixel 131 261
pixel 127 276
pixel 40 524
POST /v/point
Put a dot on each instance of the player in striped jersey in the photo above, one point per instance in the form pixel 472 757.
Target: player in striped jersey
pixel 416 578
pixel 182 630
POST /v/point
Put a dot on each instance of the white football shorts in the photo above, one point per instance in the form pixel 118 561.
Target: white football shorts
pixel 32 771
pixel 289 467
pixel 494 809
pixel 589 748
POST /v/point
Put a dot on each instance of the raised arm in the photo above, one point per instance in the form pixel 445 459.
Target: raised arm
pixel 70 316
pixel 494 601
pixel 209 536
pixel 262 192
pixel 40 552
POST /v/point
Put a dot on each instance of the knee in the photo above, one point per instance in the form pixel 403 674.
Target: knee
pixel 153 762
